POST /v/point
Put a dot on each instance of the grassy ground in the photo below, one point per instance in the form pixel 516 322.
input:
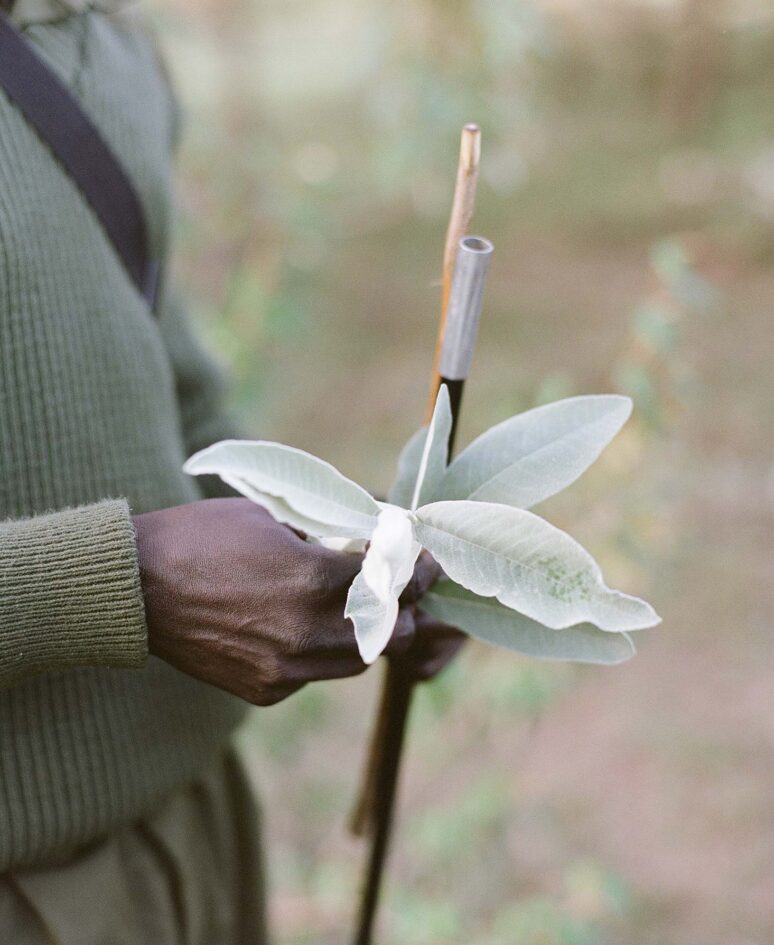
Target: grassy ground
pixel 629 159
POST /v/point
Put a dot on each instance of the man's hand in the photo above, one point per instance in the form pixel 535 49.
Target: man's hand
pixel 434 646
pixel 237 600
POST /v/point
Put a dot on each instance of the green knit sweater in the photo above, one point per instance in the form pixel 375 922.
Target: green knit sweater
pixel 100 403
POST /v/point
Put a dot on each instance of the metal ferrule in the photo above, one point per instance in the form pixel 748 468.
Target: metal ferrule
pixel 464 312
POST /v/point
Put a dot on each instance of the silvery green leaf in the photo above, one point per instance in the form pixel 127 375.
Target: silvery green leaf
pixel 536 454
pixel 282 512
pixel 527 564
pixel 435 452
pixel 309 486
pixel 402 490
pixel 488 620
pixel 372 602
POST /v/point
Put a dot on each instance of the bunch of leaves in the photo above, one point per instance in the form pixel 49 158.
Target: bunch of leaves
pixel 512 579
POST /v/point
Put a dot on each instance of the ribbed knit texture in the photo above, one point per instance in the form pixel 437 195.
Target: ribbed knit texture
pixel 100 404
pixel 89 608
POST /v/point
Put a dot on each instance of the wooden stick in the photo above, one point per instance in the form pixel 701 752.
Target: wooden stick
pixel 387 748
pixel 463 205
pixel 461 214
pixel 374 810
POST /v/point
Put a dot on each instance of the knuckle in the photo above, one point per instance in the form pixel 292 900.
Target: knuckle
pixel 259 697
pixel 335 571
pixel 272 673
pixel 267 697
pixel 301 636
pixel 314 579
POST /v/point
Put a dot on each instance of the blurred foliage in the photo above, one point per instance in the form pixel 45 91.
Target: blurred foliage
pixel 654 371
pixel 627 173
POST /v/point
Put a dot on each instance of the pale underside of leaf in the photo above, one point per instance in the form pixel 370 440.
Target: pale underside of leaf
pixel 372 602
pixel 309 486
pixel 488 620
pixel 534 455
pixel 282 512
pixel 527 564
pixel 435 452
pixel 373 617
pixel 391 554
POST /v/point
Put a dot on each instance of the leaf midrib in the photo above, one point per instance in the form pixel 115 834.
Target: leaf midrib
pixel 473 544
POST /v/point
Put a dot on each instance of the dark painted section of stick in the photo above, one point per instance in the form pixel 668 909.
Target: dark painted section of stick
pixel 396 704
pixel 455 400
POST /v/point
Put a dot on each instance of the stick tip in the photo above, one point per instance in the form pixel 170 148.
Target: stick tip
pixel 470 147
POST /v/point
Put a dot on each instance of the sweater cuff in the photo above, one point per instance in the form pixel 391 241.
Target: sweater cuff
pixel 70 592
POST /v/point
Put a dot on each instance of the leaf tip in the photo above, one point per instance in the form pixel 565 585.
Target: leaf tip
pixel 645 617
pixel 191 465
pixel 197 464
pixel 369 649
pixel 369 655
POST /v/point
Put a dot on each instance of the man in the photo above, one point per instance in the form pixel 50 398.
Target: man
pixel 139 611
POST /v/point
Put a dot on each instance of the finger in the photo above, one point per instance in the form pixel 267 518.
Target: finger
pixel 271 695
pixel 403 635
pixel 435 646
pixel 340 666
pixel 426 573
pixel 430 629
pixel 437 657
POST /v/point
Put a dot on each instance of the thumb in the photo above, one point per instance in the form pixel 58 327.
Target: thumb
pixel 404 634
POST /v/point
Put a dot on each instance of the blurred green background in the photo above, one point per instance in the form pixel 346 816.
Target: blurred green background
pixel 628 184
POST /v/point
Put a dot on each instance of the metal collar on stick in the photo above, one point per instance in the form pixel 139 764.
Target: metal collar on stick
pixel 467 296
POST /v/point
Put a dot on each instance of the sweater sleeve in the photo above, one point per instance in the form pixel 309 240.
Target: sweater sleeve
pixel 201 389
pixel 70 592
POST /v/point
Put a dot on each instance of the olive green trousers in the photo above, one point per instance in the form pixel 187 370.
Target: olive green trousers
pixel 191 874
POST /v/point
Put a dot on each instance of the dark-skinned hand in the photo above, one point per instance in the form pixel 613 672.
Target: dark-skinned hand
pixel 242 602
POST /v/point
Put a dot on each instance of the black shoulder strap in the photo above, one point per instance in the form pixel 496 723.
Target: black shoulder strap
pixel 78 146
